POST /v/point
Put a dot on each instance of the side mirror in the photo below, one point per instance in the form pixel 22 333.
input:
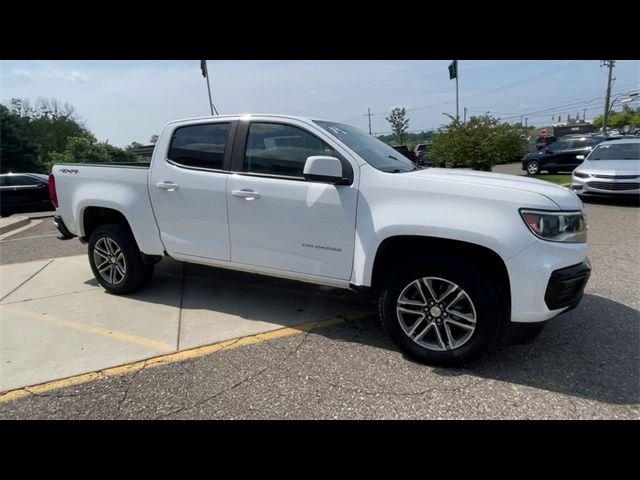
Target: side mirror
pixel 548 150
pixel 580 157
pixel 319 168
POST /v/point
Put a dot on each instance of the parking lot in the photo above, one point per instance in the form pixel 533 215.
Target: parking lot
pixel 208 343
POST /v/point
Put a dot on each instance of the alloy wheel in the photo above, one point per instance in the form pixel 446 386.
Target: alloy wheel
pixel 109 260
pixel 436 313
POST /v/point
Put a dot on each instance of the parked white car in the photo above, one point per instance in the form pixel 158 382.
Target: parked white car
pixel 458 258
pixel 612 168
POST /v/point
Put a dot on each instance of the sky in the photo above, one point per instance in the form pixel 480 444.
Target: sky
pixel 130 100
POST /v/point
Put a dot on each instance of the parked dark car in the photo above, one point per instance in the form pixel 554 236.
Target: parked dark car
pixel 542 142
pixel 404 150
pixel 422 153
pixel 24 192
pixel 562 155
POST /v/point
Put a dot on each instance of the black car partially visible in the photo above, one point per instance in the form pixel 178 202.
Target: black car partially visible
pixel 404 150
pixel 24 192
pixel 542 142
pixel 563 155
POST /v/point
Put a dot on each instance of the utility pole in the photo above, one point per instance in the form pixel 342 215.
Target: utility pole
pixel 465 114
pixel 610 64
pixel 457 75
pixel 521 117
pixel 584 114
pixel 369 115
pixel 526 120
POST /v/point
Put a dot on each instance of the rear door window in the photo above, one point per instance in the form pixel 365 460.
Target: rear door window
pixel 200 146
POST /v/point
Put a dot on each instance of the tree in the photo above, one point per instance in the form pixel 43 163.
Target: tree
pixel 86 149
pixel 618 120
pixel 153 139
pixel 17 151
pixel 480 143
pixel 48 126
pixel 399 123
pixel 411 139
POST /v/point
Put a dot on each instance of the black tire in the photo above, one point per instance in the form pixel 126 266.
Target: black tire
pixel 533 167
pixel 521 333
pixel 136 273
pixel 478 289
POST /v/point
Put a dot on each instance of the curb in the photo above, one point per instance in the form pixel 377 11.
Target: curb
pixel 7 225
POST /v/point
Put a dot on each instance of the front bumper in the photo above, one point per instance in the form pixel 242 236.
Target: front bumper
pixel 605 186
pixel 566 286
pixel 530 273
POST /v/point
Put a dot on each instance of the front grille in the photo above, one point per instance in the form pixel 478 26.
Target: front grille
pixel 618 177
pixel 614 186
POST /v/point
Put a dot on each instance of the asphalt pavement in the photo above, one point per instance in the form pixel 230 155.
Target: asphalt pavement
pixel 38 242
pixel 585 364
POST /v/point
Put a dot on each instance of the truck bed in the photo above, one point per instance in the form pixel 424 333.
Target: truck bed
pixel 121 187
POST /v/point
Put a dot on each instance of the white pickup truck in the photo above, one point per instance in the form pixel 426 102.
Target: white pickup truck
pixel 459 258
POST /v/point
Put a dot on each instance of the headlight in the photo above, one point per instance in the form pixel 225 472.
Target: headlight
pixel 581 175
pixel 568 227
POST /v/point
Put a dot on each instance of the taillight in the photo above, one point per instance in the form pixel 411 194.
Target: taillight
pixel 52 190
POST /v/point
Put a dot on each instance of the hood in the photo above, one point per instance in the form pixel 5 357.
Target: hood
pixel 611 167
pixel 536 154
pixel 561 196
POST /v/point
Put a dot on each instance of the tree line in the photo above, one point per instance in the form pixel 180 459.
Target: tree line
pixel 479 143
pixel 33 138
pixel 619 120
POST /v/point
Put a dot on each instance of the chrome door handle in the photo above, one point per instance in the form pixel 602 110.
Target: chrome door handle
pixel 168 186
pixel 246 194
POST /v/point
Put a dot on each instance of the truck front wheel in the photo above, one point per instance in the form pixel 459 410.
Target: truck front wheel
pixel 440 310
pixel 116 261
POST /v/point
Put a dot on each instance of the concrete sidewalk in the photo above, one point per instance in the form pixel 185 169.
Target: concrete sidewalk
pixel 56 321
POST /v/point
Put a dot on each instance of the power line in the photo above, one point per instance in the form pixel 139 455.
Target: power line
pixel 491 90
pixel 551 106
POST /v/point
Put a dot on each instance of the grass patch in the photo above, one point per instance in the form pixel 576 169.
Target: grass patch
pixel 559 179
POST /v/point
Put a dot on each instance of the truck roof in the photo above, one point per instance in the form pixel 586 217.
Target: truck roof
pixel 245 115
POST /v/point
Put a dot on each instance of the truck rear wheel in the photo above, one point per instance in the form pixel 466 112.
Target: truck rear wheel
pixel 440 310
pixel 116 260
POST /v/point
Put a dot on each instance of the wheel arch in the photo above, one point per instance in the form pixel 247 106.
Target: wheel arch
pixel 398 249
pixel 93 216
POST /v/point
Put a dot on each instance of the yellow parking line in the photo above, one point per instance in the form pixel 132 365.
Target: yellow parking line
pixel 179 356
pixel 84 327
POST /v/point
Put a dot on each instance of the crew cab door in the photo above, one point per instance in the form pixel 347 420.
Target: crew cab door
pixel 278 219
pixel 187 184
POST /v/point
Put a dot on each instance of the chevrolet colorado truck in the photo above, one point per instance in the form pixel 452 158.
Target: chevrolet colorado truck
pixel 458 259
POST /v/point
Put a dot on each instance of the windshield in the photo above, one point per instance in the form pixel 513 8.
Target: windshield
pixel 616 151
pixel 377 154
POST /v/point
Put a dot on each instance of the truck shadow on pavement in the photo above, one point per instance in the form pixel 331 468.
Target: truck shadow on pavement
pixel 592 352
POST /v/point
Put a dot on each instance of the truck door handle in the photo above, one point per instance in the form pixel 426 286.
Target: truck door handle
pixel 169 186
pixel 246 194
